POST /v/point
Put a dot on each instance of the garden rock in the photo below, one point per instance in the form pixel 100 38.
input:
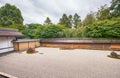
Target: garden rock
pixel 113 54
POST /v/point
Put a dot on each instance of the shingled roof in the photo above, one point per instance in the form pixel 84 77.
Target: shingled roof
pixel 10 32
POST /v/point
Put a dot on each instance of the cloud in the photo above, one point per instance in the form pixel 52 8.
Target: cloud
pixel 36 11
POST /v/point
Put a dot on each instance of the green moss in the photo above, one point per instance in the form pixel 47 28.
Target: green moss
pixel 66 48
pixel 31 52
pixel 118 57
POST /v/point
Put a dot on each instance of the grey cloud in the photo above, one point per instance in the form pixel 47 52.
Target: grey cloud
pixel 36 11
pixel 46 7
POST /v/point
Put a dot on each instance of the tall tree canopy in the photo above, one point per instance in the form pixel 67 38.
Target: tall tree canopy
pixel 89 19
pixel 103 13
pixel 47 21
pixel 64 21
pixel 115 8
pixel 10 15
pixel 76 20
pixel 70 20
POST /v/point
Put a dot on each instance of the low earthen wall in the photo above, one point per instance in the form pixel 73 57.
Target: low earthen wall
pixel 87 43
pixel 72 43
pixel 24 45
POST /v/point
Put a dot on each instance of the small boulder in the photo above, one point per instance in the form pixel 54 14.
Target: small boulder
pixel 114 54
pixel 31 50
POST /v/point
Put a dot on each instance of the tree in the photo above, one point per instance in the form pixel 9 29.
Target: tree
pixel 66 33
pixel 39 31
pixel 65 21
pixel 80 32
pixel 33 25
pixel 10 15
pixel 50 32
pixel 32 31
pixel 103 13
pixel 115 8
pixel 89 19
pixel 47 21
pixel 76 20
pixel 104 29
pixel 72 33
pixel 70 20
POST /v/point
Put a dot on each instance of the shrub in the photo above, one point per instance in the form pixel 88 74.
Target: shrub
pixel 104 29
pixel 51 31
pixel 72 33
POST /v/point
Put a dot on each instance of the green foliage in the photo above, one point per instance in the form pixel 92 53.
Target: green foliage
pixel 15 26
pixel 39 31
pixel 31 31
pixel 104 29
pixel 99 29
pixel 115 8
pixel 76 20
pixel 90 18
pixel 10 15
pixel 73 33
pixel 51 32
pixel 70 20
pixel 103 13
pixel 28 33
pixel 80 32
pixel 66 33
pixel 42 31
pixel 106 12
pixel 47 21
pixel 65 21
pixel 33 25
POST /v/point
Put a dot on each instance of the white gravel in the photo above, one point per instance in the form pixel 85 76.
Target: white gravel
pixel 55 63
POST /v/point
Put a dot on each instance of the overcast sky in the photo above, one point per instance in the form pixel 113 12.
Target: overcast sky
pixel 36 11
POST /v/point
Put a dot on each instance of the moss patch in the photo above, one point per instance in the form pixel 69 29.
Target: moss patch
pixel 66 48
pixel 118 57
pixel 32 52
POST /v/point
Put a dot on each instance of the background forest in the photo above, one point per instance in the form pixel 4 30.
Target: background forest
pixel 105 23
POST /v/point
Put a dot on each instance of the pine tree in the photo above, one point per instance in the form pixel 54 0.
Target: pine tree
pixel 76 20
pixel 65 21
pixel 70 20
pixel 47 21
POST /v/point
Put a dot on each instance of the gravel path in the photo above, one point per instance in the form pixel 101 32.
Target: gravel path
pixel 55 63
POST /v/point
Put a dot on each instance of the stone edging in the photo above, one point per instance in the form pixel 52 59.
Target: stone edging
pixel 7 75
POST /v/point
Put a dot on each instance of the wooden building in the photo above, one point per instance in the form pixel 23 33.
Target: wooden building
pixel 7 36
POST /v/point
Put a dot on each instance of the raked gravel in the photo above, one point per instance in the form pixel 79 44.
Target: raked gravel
pixel 56 63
